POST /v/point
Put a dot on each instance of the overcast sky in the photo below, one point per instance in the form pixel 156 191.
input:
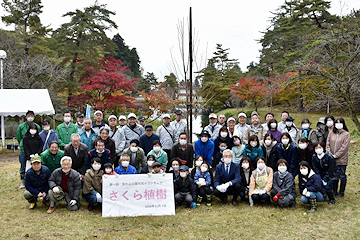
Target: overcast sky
pixel 151 26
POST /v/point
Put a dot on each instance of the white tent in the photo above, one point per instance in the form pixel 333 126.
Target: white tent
pixel 16 102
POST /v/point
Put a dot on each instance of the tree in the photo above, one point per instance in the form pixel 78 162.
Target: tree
pixel 170 85
pixel 147 83
pixel 106 88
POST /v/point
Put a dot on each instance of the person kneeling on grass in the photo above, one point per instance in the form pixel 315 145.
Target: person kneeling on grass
pixel 184 188
pixel 311 187
pixel 203 181
pixel 227 179
pixel 36 182
pixel 260 183
pixel 65 183
pixel 92 183
pixel 283 192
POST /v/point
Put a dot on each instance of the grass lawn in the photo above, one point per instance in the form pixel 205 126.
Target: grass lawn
pixel 339 221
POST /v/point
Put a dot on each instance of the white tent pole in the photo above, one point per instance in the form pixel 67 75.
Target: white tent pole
pixel 2 116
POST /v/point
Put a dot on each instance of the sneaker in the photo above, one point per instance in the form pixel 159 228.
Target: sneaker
pixel 198 201
pixel 208 202
pixel 32 206
pixel 331 201
pixel 22 185
pixel 51 210
pixel 234 203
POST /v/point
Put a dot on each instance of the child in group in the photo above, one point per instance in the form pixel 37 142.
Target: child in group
pixel 184 188
pixel 157 168
pixel 203 182
pixel 108 170
pixel 237 149
pixel 223 146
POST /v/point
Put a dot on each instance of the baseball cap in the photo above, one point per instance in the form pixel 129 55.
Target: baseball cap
pixel 112 116
pixel 131 115
pixel 98 111
pixel 212 115
pixel 242 114
pixel 122 117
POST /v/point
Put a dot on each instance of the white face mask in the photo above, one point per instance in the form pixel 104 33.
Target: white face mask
pixel 30 119
pixel 99 151
pixel 319 151
pixel 96 167
pixel 81 123
pixel 245 165
pixel 268 142
pixel 261 166
pixel 273 125
pixel 223 134
pixel 108 170
pixel 47 128
pixel 285 141
pixel 67 119
pixel 329 123
pixel 253 144
pixel 203 169
pixel 302 145
pixel 32 131
pixel 182 142
pixel 182 174
pixel 150 163
pixel 134 149
pixel 198 163
pixel 125 163
pixel 227 160
pixel 282 169
pixel 305 126
pixel 339 125
pixel 204 139
pixel 304 171
pixel 288 124
pixel 156 149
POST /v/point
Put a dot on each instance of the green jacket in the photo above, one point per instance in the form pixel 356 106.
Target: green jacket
pixel 50 161
pixel 65 133
pixel 21 131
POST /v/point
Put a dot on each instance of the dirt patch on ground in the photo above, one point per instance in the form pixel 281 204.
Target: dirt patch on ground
pixel 7 158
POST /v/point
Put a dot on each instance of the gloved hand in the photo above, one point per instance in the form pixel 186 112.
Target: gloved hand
pixel 98 197
pixel 219 187
pixel 262 191
pixel 149 174
pixel 56 190
pixel 324 183
pixel 304 191
pixel 276 197
pixel 199 183
pixel 72 202
pixel 193 205
pixel 307 194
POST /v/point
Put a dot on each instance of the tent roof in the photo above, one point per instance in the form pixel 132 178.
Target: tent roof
pixel 18 101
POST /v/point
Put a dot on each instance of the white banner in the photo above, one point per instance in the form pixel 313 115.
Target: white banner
pixel 138 195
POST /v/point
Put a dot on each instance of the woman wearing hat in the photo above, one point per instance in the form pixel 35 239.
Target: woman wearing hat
pixel 204 147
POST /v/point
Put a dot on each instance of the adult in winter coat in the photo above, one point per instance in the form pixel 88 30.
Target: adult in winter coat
pixel 306 132
pixel 52 156
pixel 204 146
pixel 78 152
pixel 116 134
pixel 137 155
pixel 160 155
pixel 253 149
pixel 65 129
pixel 88 135
pixel 338 143
pixel 223 137
pixel 99 151
pixel 92 188
pixel 214 127
pixel 305 150
pixel 290 128
pixel 47 135
pixel 183 151
pixel 132 130
pixel 311 187
pixel 246 168
pixel 270 150
pixel 272 128
pixel 287 150
pixel 32 143
pixel 109 143
pixel 283 191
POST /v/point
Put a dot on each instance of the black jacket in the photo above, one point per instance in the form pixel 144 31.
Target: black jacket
pixel 78 161
pixel 185 185
pixel 325 167
pixel 32 145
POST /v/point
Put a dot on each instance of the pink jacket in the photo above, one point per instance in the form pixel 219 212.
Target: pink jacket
pixel 338 145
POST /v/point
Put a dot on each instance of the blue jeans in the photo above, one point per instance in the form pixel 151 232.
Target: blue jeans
pixel 318 195
pixel 22 162
pixel 90 197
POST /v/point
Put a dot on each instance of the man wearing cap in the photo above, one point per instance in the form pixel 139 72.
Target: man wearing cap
pixel 36 182
pixel 213 128
pixel 183 151
pixel 231 128
pixel 65 183
pixel 146 140
pixel 116 134
pixel 255 129
pixel 98 121
pixel 222 120
pixel 178 125
pixel 268 117
pixel 242 126
pixel 282 124
pixel 88 135
pixel 142 121
pixel 122 121
pixel 132 130
pixel 20 134
pixel 78 153
pixel 204 146
pixel 65 130
pixel 167 136
pixel 80 122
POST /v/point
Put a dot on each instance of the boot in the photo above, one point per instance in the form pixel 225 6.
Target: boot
pixel 199 200
pixel 342 189
pixel 313 205
pixel 335 187
pixel 331 197
pixel 22 178
pixel 208 202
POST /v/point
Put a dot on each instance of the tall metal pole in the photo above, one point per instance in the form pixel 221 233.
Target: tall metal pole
pixel 2 116
pixel 190 80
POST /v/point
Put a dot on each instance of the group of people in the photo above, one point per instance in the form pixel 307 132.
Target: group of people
pixel 258 162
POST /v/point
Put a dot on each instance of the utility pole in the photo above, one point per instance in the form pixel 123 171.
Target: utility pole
pixel 190 77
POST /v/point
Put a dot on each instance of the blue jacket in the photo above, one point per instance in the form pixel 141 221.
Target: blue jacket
pixel 146 142
pixel 312 184
pixel 53 137
pixel 205 150
pixel 221 177
pixel 88 140
pixel 105 158
pixel 290 155
pixel 130 170
pixel 35 183
pixel 206 175
pixel 253 153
